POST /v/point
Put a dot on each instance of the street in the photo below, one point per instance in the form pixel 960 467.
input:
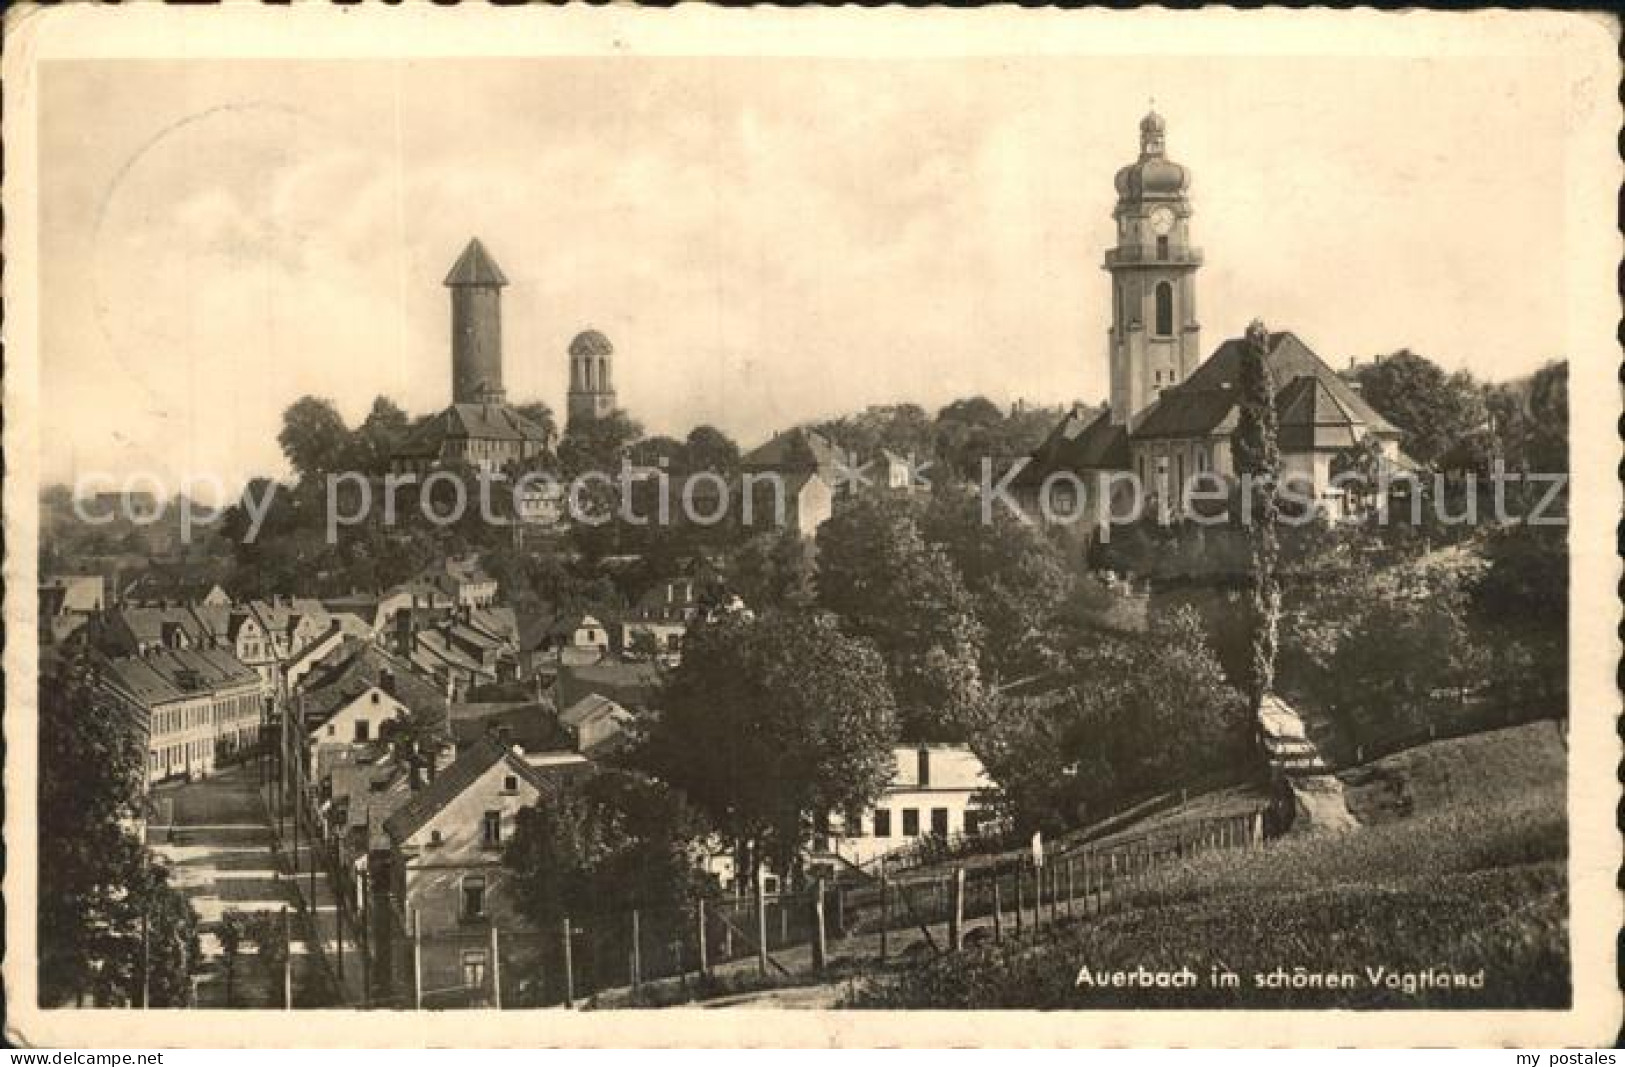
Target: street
pixel 218 846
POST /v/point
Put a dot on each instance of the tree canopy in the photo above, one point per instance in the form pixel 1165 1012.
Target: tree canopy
pixel 770 723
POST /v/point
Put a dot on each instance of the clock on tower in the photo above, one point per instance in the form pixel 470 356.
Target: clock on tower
pixel 1154 339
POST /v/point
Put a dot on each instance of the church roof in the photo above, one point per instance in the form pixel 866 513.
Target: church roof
pixel 1314 406
pixel 475 422
pixel 476 267
pixel 1078 442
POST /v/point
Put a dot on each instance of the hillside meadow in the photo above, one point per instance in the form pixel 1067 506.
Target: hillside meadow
pixel 1462 903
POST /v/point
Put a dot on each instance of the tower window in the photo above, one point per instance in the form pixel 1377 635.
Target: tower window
pixel 1165 309
pixel 1162 247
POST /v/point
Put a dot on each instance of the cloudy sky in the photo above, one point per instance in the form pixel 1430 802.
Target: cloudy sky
pixel 764 241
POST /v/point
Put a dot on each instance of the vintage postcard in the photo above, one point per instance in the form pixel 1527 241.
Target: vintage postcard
pixel 829 527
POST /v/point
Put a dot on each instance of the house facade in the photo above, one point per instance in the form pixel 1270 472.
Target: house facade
pixel 936 790
pixel 198 707
pixel 445 873
pixel 358 721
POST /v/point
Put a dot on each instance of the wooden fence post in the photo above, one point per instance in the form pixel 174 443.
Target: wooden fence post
pixel 417 961
pixel 885 910
pixel 636 962
pixel 569 966
pixel 705 951
pixel 496 969
pixel 820 948
pixel 1070 860
pixel 287 959
pixel 956 918
pixel 761 921
pixel 1020 864
pixel 998 917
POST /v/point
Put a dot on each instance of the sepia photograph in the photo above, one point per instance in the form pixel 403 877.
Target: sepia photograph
pixel 521 515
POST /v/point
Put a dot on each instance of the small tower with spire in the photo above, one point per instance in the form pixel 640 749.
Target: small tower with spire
pixel 476 284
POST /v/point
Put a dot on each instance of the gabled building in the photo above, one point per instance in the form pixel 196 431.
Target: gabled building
pixel 464 580
pixel 790 482
pixel 68 603
pixel 197 706
pixel 938 791
pixel 597 725
pixel 445 873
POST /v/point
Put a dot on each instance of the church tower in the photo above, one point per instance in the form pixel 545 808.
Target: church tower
pixel 1154 339
pixel 592 380
pixel 476 285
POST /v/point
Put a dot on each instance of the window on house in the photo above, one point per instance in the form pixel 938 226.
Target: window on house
pixel 925 766
pixel 882 822
pixel 939 821
pixel 474 969
pixel 1165 309
pixel 375 696
pixel 363 730
pixel 332 730
pixel 911 822
pixel 491 829
pixel 510 784
pixel 473 896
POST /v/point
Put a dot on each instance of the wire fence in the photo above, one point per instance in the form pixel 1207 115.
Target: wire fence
pixel 673 954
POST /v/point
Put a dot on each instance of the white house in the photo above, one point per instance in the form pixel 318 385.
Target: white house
pixel 357 721
pixel 595 722
pixel 937 790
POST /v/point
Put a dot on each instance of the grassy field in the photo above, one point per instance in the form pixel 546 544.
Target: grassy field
pixel 1466 877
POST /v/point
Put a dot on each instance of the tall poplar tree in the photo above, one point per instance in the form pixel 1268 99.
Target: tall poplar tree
pixel 1258 463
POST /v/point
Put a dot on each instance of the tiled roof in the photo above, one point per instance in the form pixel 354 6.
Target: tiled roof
pixel 356 666
pixel 148 625
pixel 532 725
pixel 632 685
pixel 176 674
pixel 475 267
pixel 78 592
pixel 474 422
pixel 1078 443
pixel 587 707
pixel 1206 402
pixel 450 783
pixel 800 450
pixel 169 581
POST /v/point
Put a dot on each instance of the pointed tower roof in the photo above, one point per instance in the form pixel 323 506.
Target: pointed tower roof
pixel 476 267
